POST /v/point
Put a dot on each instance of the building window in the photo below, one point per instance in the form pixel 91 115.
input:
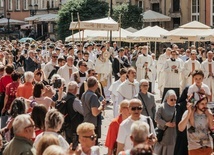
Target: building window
pixel 176 5
pixel 195 10
pixel 10 5
pixel 1 3
pixel 140 4
pixel 43 4
pixel 156 7
pixel 17 4
pixel 25 3
pixel 212 13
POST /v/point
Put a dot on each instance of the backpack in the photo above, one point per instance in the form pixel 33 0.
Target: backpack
pixel 62 107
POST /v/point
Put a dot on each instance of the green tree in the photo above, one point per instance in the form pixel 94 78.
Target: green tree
pixel 130 15
pixel 88 10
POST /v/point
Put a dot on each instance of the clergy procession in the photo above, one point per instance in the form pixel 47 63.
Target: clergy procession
pixel 55 95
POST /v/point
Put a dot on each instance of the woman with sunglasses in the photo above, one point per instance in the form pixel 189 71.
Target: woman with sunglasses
pixel 165 118
pixel 87 139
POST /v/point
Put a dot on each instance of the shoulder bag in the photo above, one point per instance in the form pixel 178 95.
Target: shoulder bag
pixel 159 132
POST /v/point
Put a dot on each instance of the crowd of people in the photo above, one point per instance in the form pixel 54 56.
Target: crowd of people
pixel 53 97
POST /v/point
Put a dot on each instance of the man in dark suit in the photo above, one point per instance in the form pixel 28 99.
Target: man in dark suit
pixel 120 61
pixel 31 62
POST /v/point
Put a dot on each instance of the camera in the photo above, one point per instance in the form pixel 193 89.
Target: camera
pixel 57 83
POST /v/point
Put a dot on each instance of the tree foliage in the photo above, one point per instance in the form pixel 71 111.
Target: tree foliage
pixel 88 10
pixel 130 15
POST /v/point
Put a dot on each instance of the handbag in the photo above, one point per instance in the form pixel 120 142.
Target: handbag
pixel 159 132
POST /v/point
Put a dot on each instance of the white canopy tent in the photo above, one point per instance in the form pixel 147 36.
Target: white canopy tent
pixel 188 32
pixel 100 35
pixel 105 24
pixel 4 21
pixel 152 16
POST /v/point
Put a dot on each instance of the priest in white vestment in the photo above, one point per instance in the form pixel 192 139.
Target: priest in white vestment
pixel 67 70
pixel 103 67
pixel 129 88
pixel 172 69
pixel 189 67
pixel 160 68
pixel 144 64
pixel 114 93
pixel 208 68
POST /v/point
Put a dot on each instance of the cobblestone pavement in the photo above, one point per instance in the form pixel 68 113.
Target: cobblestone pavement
pixel 108 116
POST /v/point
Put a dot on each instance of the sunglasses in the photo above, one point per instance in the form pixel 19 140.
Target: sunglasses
pixel 55 56
pixel 145 85
pixel 84 65
pixel 173 99
pixel 92 137
pixel 94 73
pixel 136 108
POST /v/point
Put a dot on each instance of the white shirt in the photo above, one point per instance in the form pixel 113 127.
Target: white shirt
pixel 124 132
pixel 193 89
pixel 94 151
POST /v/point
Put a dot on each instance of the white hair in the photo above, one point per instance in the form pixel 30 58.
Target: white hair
pixel 139 131
pixel 21 122
pixel 143 81
pixel 29 76
pixel 72 85
pixel 168 94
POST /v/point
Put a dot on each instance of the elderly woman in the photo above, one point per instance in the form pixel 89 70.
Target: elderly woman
pixel 87 139
pixel 53 123
pixel 165 118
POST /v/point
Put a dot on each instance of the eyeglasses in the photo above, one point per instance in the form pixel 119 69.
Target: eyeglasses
pixel 54 56
pixel 92 137
pixel 145 85
pixel 173 99
pixel 84 65
pixel 94 73
pixel 136 108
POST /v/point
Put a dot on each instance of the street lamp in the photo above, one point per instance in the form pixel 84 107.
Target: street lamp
pixel 8 23
pixel 33 9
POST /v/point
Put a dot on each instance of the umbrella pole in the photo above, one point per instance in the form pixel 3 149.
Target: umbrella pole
pixel 82 35
pixel 155 47
pixel 79 26
pixel 72 19
pixel 120 29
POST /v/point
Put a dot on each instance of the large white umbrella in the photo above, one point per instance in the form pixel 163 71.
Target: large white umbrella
pixel 134 36
pixel 105 35
pixel 152 16
pixel 44 17
pixel 131 29
pixel 4 21
pixel 187 32
pixel 100 35
pixel 150 34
